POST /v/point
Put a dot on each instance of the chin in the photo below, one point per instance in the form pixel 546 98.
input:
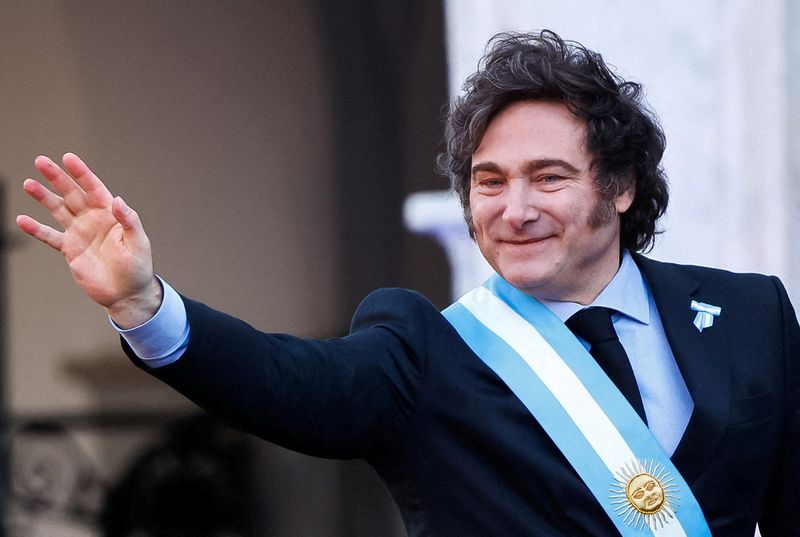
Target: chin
pixel 533 277
pixel 524 281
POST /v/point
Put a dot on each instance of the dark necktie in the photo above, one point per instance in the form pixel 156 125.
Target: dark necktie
pixel 594 325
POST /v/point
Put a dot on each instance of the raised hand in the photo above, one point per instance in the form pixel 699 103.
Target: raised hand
pixel 103 240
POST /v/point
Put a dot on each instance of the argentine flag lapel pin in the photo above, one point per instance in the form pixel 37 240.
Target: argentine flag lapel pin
pixel 705 314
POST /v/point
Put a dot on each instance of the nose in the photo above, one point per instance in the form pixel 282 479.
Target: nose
pixel 520 205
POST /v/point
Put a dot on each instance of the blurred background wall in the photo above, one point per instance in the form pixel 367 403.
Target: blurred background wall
pixel 269 147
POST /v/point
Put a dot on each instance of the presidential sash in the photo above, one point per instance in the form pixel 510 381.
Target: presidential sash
pixel 584 413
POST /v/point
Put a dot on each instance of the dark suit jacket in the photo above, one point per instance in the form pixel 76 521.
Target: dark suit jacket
pixel 458 451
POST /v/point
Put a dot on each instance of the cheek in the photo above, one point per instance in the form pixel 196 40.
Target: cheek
pixel 479 212
pixel 571 209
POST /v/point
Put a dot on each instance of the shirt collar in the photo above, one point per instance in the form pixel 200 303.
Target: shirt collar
pixel 626 293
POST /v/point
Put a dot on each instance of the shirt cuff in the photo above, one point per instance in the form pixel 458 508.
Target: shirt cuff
pixel 164 337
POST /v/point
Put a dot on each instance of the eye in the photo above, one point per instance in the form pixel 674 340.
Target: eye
pixel 489 182
pixel 550 179
pixel 638 495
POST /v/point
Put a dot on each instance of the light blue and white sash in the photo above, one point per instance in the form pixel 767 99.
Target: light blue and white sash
pixel 584 413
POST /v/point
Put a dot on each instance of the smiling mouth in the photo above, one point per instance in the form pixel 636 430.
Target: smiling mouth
pixel 526 241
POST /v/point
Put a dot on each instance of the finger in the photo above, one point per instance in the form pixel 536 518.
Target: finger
pixel 130 222
pixel 63 184
pixel 54 204
pixel 96 191
pixel 54 239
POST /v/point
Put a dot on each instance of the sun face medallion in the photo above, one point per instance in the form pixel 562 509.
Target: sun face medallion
pixel 644 494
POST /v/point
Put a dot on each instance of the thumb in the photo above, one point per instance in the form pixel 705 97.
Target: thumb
pixel 130 222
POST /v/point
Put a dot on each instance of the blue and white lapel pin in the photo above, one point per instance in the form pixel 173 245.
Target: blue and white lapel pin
pixel 705 314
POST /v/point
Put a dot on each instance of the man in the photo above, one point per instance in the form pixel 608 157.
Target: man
pixel 491 418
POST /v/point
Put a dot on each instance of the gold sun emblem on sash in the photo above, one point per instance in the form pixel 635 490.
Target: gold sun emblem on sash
pixel 644 494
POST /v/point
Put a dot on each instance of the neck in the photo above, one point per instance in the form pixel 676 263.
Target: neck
pixel 588 289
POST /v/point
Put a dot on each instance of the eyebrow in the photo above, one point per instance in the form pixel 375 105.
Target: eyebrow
pixel 529 167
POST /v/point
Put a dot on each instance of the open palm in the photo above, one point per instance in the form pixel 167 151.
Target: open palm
pixel 102 240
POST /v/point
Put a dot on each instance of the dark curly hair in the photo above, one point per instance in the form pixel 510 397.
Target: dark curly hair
pixel 623 136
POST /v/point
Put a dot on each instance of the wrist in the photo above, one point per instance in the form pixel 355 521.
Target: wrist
pixel 139 308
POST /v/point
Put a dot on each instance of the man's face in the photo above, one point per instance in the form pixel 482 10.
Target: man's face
pixel 537 215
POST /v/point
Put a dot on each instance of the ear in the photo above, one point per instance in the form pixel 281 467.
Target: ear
pixel 624 200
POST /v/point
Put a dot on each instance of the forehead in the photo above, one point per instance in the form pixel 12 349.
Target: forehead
pixel 535 129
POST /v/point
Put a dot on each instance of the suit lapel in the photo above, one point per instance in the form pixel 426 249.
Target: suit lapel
pixel 700 358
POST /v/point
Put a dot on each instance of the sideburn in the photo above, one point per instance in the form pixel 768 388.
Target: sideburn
pixel 605 210
pixel 603 213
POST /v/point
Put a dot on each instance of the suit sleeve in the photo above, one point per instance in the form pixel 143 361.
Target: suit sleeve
pixel 781 509
pixel 341 398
